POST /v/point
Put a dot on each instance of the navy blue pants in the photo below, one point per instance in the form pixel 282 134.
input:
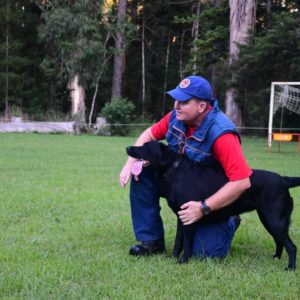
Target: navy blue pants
pixel 211 240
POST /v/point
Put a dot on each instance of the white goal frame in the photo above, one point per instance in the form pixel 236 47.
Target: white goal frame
pixel 271 111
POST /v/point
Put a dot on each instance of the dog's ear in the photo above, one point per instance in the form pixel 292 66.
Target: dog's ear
pixel 168 155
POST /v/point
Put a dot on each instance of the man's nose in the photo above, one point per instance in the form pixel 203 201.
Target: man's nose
pixel 176 104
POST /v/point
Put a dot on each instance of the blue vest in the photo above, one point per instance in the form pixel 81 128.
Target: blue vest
pixel 198 147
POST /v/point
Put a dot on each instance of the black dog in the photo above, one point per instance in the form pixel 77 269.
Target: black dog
pixel 183 180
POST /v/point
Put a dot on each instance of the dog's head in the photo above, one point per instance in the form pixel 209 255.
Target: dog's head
pixel 155 152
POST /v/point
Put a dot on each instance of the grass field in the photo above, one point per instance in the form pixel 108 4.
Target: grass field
pixel 66 229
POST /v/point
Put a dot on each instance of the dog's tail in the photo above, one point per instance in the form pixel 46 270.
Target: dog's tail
pixel 292 181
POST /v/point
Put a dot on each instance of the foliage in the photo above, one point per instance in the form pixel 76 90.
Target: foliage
pixel 119 114
pixel 16 111
pixel 20 64
pixel 142 123
pixel 211 47
pixel 66 229
pixel 51 40
pixel 161 31
pixel 274 55
pixel 78 38
pixel 50 115
pixel 209 51
pixel 75 36
pixel 71 35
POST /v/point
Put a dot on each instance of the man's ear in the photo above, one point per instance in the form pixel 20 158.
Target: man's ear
pixel 201 106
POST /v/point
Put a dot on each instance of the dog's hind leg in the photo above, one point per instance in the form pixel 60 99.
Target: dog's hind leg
pixel 278 229
pixel 278 251
pixel 291 249
pixel 281 237
pixel 178 245
pixel 279 245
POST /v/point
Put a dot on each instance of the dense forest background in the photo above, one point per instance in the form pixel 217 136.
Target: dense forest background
pixel 124 55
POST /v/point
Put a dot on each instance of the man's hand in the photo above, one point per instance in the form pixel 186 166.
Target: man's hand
pixel 190 213
pixel 125 175
pixel 126 172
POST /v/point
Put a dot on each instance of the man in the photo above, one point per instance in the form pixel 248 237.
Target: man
pixel 198 129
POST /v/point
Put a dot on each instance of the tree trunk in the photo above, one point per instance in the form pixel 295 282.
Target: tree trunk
pixel 102 68
pixel 77 95
pixel 93 102
pixel 214 77
pixel 143 67
pixel 195 34
pixel 269 6
pixel 119 60
pixel 166 77
pixel 217 2
pixel 242 19
pixel 269 13
pixel 181 67
pixel 6 113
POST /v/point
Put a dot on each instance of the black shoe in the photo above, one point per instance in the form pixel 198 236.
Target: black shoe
pixel 237 221
pixel 148 248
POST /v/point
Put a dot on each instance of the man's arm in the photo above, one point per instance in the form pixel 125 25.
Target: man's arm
pixel 191 211
pixel 156 132
pixel 227 150
pixel 125 174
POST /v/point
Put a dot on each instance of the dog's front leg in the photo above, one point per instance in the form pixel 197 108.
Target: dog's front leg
pixel 178 245
pixel 188 241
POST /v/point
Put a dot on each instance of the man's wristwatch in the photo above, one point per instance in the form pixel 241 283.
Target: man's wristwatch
pixel 205 209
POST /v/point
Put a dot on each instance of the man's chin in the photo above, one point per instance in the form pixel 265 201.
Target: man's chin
pixel 183 120
pixel 179 117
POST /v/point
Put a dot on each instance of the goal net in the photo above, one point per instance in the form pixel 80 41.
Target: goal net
pixel 283 95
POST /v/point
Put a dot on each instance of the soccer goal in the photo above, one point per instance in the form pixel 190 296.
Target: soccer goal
pixel 283 95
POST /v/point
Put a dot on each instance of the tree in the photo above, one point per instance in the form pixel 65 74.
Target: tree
pixel 195 33
pixel 242 21
pixel 119 60
pixel 212 44
pixel 7 32
pixel 160 37
pixel 19 56
pixel 76 43
pixel 77 95
pixel 274 55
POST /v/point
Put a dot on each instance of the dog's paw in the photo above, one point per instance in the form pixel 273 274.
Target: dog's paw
pixel 176 253
pixel 182 260
pixel 290 268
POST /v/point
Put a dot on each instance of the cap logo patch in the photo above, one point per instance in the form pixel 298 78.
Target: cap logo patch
pixel 185 83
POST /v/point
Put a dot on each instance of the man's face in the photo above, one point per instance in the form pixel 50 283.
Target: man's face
pixel 190 112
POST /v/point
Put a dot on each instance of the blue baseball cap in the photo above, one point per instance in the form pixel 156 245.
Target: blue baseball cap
pixel 192 87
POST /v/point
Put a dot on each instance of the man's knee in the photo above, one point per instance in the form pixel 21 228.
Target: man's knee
pixel 213 240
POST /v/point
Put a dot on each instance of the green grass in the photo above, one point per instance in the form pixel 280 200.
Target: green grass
pixel 66 229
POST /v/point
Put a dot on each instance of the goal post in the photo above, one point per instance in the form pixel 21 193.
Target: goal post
pixel 283 94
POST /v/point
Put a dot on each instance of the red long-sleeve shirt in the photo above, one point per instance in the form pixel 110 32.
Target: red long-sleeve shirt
pixel 226 149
